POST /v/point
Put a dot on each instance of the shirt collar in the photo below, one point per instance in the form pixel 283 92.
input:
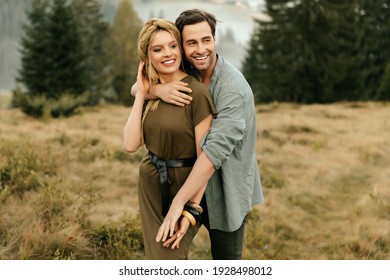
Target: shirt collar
pixel 216 72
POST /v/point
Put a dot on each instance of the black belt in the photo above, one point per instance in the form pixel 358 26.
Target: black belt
pixel 165 178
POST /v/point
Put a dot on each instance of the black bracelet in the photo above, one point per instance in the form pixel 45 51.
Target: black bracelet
pixel 193 212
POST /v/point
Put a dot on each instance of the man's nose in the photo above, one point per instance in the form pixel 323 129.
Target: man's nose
pixel 201 48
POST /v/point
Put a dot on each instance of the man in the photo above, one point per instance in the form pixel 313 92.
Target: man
pixel 228 163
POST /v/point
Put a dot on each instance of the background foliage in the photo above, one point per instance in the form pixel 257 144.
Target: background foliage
pixel 320 51
pixel 69 50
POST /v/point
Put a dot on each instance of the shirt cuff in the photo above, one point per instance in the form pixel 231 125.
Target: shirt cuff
pixel 214 160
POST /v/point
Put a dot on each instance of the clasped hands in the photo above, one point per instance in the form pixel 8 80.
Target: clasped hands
pixel 173 228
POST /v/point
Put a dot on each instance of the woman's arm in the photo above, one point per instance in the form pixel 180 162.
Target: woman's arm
pixel 186 193
pixel 198 178
pixel 132 130
pixel 200 131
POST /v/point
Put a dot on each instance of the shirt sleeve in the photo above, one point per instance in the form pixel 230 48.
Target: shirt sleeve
pixel 227 129
pixel 202 104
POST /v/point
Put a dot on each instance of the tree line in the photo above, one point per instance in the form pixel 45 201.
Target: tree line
pixel 321 51
pixel 307 51
pixel 71 57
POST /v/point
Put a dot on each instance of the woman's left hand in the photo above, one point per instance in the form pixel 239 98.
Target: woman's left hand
pixel 142 81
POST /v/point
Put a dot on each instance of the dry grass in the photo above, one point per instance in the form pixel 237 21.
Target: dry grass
pixel 73 196
pixel 333 197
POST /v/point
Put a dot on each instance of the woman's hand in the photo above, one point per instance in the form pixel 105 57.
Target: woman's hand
pixel 167 228
pixel 142 81
pixel 176 238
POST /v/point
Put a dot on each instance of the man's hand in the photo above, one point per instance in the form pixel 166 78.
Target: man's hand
pixel 176 93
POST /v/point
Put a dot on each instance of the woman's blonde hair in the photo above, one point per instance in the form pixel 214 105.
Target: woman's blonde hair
pixel 150 28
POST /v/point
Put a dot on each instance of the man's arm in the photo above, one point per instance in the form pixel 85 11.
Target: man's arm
pixel 176 93
pixel 132 130
pixel 227 129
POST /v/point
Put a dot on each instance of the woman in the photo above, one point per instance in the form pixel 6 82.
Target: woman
pixel 172 136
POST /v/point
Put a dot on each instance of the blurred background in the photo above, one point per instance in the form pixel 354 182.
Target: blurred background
pixel 235 26
pixel 319 51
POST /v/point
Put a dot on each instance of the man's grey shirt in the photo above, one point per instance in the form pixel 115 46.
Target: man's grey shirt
pixel 230 145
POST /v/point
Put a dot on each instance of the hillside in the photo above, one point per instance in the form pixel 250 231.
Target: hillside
pixel 68 191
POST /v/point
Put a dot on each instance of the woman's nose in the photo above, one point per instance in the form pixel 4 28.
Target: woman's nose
pixel 167 52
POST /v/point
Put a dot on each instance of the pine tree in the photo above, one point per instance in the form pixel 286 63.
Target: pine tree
pixel 275 58
pixel 374 24
pixel 53 62
pixel 65 52
pixel 254 66
pixel 384 89
pixel 94 33
pixel 304 53
pixel 123 51
pixel 34 45
pixel 52 55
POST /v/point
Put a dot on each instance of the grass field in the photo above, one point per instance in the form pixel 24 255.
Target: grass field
pixel 68 190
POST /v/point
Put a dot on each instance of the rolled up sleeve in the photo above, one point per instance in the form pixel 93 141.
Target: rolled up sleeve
pixel 227 129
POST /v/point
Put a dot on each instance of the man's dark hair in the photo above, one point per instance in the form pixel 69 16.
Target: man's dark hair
pixel 195 16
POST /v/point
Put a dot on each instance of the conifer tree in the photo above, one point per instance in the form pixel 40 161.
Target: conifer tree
pixel 52 54
pixel 384 89
pixel 374 43
pixel 254 64
pixel 34 45
pixel 304 53
pixel 65 52
pixel 53 62
pixel 94 33
pixel 123 51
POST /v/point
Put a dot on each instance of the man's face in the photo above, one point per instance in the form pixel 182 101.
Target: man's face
pixel 199 45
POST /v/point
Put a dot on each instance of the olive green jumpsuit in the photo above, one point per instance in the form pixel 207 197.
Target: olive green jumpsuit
pixel 169 133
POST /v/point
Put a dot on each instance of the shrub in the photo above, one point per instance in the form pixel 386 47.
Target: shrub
pixel 119 240
pixel 23 167
pixel 39 106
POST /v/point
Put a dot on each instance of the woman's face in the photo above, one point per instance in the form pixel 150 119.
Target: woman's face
pixel 164 53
